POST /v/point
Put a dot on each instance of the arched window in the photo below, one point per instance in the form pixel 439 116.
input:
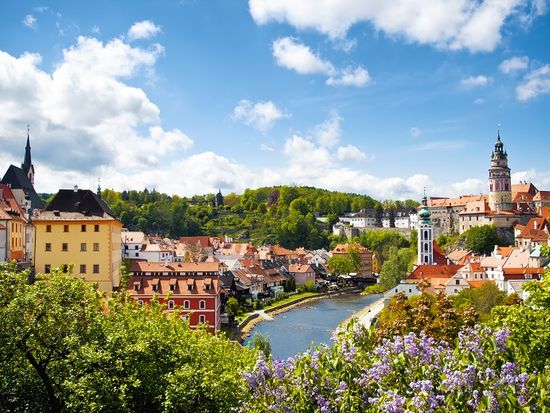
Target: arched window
pixel 426 247
pixel 425 234
pixel 186 304
pixel 202 304
pixel 426 259
pixel 170 304
pixel 202 318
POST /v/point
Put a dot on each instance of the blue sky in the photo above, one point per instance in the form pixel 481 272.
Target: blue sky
pixel 368 96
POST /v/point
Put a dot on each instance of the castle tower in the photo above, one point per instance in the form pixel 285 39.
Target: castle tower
pixel 500 184
pixel 27 166
pixel 425 235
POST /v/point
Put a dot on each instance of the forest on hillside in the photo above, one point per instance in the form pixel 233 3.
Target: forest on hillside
pixel 284 215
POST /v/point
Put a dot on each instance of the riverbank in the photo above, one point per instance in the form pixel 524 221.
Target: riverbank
pixel 245 327
pixel 366 315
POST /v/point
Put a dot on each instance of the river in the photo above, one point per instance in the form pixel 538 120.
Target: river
pixel 311 323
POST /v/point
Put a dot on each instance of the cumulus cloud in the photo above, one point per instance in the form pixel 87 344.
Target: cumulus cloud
pixel 143 30
pixel 30 21
pixel 535 83
pixel 350 77
pixel 415 132
pixel 328 133
pixel 260 115
pixel 84 117
pixel 475 81
pixel 293 55
pixel 296 56
pixel 351 152
pixel 514 64
pixel 452 24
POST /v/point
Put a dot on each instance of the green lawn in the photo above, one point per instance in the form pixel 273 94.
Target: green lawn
pixel 289 299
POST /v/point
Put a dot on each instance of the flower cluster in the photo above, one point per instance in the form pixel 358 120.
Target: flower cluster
pixel 414 373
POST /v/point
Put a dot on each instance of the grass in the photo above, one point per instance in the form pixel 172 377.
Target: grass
pixel 290 299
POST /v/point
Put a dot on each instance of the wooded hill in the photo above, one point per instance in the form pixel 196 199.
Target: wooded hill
pixel 284 215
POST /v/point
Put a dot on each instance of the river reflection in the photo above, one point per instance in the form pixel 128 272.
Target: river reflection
pixel 312 323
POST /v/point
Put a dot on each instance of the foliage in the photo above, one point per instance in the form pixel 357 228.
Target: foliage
pixel 414 373
pixel 233 307
pixel 482 240
pixel 381 242
pixel 434 316
pixel 345 263
pixel 483 298
pixel 261 343
pixel 308 287
pixel 451 242
pixel 374 289
pixel 396 266
pixel 529 323
pixel 66 348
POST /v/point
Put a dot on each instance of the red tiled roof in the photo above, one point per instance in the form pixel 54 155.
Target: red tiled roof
pixel 146 285
pixel 434 271
pixel 144 266
pixel 479 283
pixel 522 271
pixel 299 268
pixel 204 242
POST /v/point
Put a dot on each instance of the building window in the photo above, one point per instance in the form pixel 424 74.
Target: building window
pixel 65 268
pixel 47 269
pixel 64 247
pixel 96 268
pixel 136 247
pixel 202 318
pixel 170 304
pixel 82 268
pixel 172 287
pixel 48 246
pixel 82 246
pixel 137 254
pixel 186 304
pixel 83 228
pixel 96 228
pixel 96 246
pixel 48 228
pixel 202 304
pixel 457 282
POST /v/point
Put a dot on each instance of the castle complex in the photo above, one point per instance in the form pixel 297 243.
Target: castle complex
pixel 504 206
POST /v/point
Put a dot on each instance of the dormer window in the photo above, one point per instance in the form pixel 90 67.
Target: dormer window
pixel 137 285
pixel 173 284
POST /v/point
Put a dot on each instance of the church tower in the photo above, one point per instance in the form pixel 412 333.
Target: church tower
pixel 425 235
pixel 27 166
pixel 500 184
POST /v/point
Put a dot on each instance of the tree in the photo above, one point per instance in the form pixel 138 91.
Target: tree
pixel 482 240
pixel 261 343
pixel 378 214
pixel 340 264
pixel 392 217
pixel 65 347
pixel 232 307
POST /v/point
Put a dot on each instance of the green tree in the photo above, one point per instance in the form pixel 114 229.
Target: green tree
pixel 340 264
pixel 261 343
pixel 482 240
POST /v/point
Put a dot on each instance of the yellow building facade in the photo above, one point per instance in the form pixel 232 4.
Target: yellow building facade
pixel 89 241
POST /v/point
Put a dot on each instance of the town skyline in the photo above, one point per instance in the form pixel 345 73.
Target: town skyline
pixel 190 98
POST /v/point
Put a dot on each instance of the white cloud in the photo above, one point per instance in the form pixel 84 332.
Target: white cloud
pixel 260 115
pixel 293 55
pixel 296 56
pixel 30 21
pixel 475 81
pixel 514 64
pixel 479 101
pixel 84 107
pixel 302 152
pixel 351 152
pixel 329 132
pixel 143 30
pixel 350 77
pixel 535 83
pixel 96 29
pixel 452 24
pixel 266 148
pixel 415 132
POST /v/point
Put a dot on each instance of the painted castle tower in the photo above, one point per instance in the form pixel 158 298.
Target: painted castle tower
pixel 425 235
pixel 500 185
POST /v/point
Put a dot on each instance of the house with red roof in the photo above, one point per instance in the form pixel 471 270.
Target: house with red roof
pixel 196 299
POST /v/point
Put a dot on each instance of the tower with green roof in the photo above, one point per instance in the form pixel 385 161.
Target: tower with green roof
pixel 425 234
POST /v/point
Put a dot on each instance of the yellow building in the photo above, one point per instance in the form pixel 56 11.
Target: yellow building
pixel 78 228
